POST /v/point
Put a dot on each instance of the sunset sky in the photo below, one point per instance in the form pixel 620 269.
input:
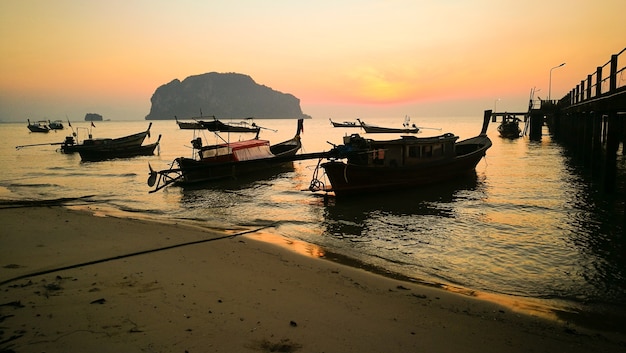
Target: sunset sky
pixel 341 58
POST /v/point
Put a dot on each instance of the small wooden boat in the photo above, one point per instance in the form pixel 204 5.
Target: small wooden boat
pixel 218 126
pixel 56 125
pixel 227 160
pixel 372 129
pixel 372 166
pixel 112 151
pixel 39 126
pixel 344 124
pixel 186 125
pixel 509 128
pixel 70 144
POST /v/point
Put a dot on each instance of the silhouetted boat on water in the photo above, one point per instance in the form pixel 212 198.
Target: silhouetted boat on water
pixel 227 160
pixel 361 166
pixel 38 126
pixel 189 125
pixel 56 125
pixel 219 126
pixel 112 151
pixel 509 127
pixel 344 124
pixel 373 129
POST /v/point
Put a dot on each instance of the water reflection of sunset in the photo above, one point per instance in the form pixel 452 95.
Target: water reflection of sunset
pixel 297 246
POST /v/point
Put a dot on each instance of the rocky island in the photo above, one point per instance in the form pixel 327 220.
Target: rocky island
pixel 223 95
pixel 93 117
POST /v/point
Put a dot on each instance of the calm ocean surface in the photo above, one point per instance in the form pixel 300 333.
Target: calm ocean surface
pixel 529 230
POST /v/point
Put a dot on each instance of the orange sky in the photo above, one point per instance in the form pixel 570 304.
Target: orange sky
pixel 342 59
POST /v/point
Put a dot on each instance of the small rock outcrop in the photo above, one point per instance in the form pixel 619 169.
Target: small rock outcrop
pixel 93 117
pixel 223 95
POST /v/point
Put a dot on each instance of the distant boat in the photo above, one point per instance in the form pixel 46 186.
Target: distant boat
pixel 218 126
pixel 361 166
pixel 39 126
pixel 344 124
pixel 509 128
pixel 227 160
pixel 373 129
pixel 56 125
pixel 187 125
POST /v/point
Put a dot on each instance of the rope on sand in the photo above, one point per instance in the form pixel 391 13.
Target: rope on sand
pixel 143 252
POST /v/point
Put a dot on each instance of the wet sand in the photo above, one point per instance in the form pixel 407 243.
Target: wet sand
pixel 71 281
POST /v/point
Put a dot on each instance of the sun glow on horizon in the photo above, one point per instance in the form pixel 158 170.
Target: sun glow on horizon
pixel 371 52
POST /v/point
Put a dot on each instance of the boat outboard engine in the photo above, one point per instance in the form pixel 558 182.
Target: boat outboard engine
pixel 196 143
pixel 69 141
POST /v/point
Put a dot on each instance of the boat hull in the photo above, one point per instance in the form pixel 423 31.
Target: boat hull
pixel 196 171
pixel 386 130
pixel 106 153
pixel 349 179
pixel 190 126
pixel 372 129
pixel 38 129
pixel 219 126
pixel 344 124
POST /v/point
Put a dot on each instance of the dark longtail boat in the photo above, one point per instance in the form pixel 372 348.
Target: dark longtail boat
pixel 362 165
pixel 38 126
pixel 70 144
pixel 106 152
pixel 373 129
pixel 227 160
pixel 218 126
pixel 56 125
pixel 344 124
pixel 189 125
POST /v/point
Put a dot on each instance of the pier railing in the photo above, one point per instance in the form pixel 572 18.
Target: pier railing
pixel 591 120
pixel 607 80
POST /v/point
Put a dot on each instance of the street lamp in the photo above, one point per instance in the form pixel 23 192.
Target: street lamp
pixel 495 105
pixel 550 84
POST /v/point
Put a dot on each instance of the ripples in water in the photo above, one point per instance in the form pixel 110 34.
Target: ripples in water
pixel 529 223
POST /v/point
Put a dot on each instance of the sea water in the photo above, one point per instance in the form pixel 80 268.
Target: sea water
pixel 530 228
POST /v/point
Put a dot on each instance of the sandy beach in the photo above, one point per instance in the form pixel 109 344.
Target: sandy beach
pixel 72 281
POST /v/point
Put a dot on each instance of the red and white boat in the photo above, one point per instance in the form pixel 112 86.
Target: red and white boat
pixel 227 160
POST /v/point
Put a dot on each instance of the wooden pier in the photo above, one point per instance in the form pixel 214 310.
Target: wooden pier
pixel 590 122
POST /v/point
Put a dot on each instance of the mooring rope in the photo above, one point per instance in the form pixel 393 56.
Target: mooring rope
pixel 118 257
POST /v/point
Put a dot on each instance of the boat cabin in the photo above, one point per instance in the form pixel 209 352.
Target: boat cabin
pixel 404 152
pixel 235 151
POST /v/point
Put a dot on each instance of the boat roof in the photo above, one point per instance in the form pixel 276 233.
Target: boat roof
pixel 418 140
pixel 239 145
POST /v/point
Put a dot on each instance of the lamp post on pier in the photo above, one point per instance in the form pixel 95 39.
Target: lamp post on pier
pixel 495 105
pixel 550 84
